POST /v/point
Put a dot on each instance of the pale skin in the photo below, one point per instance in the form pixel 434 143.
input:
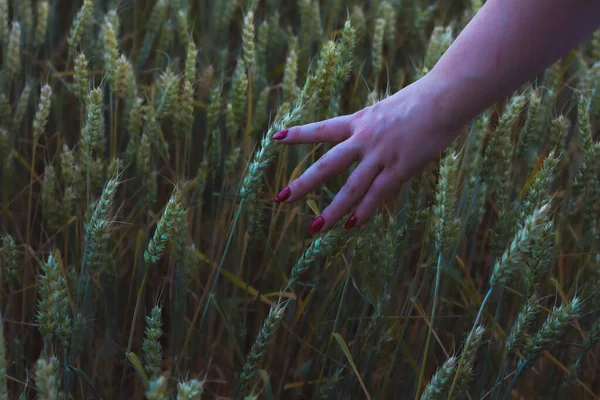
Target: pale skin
pixel 507 43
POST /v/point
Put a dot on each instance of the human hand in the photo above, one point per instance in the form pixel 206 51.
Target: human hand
pixel 391 141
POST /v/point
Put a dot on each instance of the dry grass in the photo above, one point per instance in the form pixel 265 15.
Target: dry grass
pixel 143 256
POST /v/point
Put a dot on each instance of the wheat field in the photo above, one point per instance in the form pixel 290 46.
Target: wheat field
pixel 143 256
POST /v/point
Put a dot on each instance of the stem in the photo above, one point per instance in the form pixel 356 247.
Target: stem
pixel 213 287
pixel 248 129
pixel 113 149
pixel 28 234
pixel 133 320
pixel 335 325
pixel 475 324
pixel 513 383
pixel 438 275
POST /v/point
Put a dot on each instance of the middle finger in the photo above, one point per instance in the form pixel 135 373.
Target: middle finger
pixel 332 163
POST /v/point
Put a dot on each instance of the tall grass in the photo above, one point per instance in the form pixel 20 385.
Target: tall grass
pixel 143 257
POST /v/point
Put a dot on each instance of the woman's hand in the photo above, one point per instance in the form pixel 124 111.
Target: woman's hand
pixel 391 141
pixel 505 44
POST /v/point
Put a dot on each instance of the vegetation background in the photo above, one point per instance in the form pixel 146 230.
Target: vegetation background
pixel 143 256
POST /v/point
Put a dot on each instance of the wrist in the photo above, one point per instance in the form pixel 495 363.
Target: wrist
pixel 448 107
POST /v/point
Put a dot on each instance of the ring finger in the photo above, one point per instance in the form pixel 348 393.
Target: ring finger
pixel 355 188
pixel 332 163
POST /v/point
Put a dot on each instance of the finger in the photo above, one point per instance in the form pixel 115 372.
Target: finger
pixel 333 130
pixel 332 163
pixel 355 188
pixel 385 183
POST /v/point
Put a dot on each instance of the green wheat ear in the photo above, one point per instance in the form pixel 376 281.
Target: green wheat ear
pixel 47 381
pixel 257 352
pixel 41 22
pixel 13 53
pixel 444 212
pixel 80 24
pixel 190 390
pixel 164 229
pixel 549 334
pixel 158 389
pixel 441 380
pixel 43 112
pixel 4 29
pixel 21 108
pixel 377 49
pixel 10 259
pixel 151 345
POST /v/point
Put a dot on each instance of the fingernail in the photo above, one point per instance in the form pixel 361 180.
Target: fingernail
pixel 351 222
pixel 283 195
pixel 280 135
pixel 316 225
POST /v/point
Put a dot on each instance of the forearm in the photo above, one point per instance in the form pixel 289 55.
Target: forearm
pixel 507 43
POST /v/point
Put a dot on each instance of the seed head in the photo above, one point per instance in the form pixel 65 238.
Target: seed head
pixel 190 62
pixel 359 21
pixel 110 50
pixel 549 334
pixel 257 352
pixel 464 375
pixel 321 247
pixel 125 80
pixel 158 389
pixel 43 111
pixel 10 259
pixel 47 383
pixel 169 84
pixel 559 129
pixel 151 345
pixel 515 254
pixel 377 50
pixel 42 22
pixel 81 83
pixel 191 390
pixel 441 381
pixel 80 23
pixel 164 229
pixel 4 31
pixel 183 27
pixel 527 316
pixel 21 106
pixel 94 128
pixel 13 54
pixel 248 41
pixel 444 211
pixel 290 75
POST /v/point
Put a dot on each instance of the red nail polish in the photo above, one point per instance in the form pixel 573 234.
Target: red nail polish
pixel 281 134
pixel 283 195
pixel 351 222
pixel 316 226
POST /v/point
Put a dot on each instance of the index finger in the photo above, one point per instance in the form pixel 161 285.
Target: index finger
pixel 333 130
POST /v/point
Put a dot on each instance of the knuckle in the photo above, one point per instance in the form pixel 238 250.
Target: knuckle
pixel 351 188
pixel 362 131
pixel 397 175
pixel 360 115
pixel 299 184
pixel 323 163
pixel 354 187
pixel 393 158
pixel 321 128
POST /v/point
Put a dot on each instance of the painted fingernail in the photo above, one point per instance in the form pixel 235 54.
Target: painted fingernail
pixel 351 222
pixel 283 195
pixel 280 135
pixel 316 225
